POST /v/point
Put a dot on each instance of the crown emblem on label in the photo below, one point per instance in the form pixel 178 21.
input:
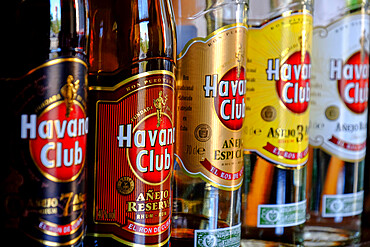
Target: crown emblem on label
pixel 239 58
pixel 159 104
pixel 69 92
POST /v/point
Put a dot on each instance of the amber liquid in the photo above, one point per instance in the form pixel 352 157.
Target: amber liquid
pixel 127 38
pixel 282 185
pixel 200 206
pixel 365 217
pixel 182 234
pixel 338 230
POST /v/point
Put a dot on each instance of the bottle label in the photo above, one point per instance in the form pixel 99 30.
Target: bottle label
pixel 338 120
pixel 278 90
pixel 342 205
pixel 222 237
pixel 211 108
pixel 134 158
pixel 283 215
pixel 48 127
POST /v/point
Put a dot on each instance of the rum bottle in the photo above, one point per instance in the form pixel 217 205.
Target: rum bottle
pixel 132 61
pixel 338 122
pixel 275 133
pixel 43 78
pixel 210 112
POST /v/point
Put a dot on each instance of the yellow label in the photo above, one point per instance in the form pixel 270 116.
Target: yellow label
pixel 210 107
pixel 278 90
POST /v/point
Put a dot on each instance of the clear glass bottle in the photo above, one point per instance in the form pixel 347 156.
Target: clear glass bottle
pixel 338 122
pixel 365 216
pixel 275 133
pixel 211 36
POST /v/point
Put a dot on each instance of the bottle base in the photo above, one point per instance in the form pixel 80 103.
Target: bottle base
pixel 329 236
pixel 182 242
pixel 262 243
pixel 286 236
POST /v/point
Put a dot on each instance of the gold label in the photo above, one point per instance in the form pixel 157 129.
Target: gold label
pixel 278 90
pixel 210 107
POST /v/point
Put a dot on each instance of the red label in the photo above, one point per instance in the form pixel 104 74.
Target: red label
pixel 221 174
pixel 286 154
pixel 353 83
pixel 229 103
pixel 61 230
pixel 293 87
pixel 228 94
pixel 151 154
pixel 134 159
pixel 347 145
pixel 57 140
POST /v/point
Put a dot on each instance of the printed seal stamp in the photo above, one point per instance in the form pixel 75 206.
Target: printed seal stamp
pixel 125 185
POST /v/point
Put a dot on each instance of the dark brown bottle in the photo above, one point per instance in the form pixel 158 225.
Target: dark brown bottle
pixel 43 77
pixel 131 102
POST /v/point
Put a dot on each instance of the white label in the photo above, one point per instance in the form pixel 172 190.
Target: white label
pixel 339 87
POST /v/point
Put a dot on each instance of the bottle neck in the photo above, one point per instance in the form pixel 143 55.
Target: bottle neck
pixel 128 34
pixel 265 10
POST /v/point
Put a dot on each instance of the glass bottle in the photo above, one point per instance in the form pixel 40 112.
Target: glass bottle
pixel 338 120
pixel 131 86
pixel 365 216
pixel 210 88
pixel 43 78
pixel 275 133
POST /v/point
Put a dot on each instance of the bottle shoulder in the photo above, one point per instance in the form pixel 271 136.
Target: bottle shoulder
pixel 58 29
pixel 125 33
pixel 111 78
